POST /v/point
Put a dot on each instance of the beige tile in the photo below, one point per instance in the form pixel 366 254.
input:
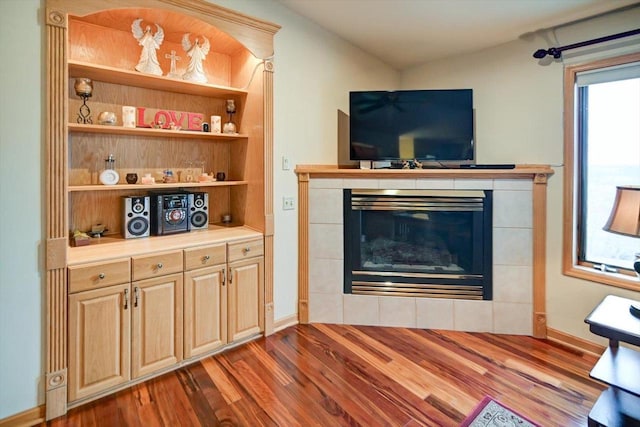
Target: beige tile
pixel 361 310
pixel 512 209
pixel 398 312
pixel 326 276
pixel 325 308
pixel 434 313
pixel 325 183
pixel 472 316
pixel 325 206
pixel 513 184
pixel 473 184
pixel 361 183
pixel 325 241
pixel 512 283
pixel 512 246
pixel 434 184
pixel 512 318
pixel 398 184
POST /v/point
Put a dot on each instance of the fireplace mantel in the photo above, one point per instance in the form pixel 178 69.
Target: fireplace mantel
pixel 540 172
pixel 535 174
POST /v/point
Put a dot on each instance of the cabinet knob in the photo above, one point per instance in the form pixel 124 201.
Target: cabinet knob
pixel 101 276
pixel 206 258
pixel 159 265
pixel 246 249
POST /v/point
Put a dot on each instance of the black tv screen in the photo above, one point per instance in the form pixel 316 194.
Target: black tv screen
pixel 427 125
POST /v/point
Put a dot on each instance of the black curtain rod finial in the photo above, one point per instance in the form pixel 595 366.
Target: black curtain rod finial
pixel 556 52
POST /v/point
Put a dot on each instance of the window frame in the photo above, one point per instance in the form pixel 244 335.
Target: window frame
pixel 572 173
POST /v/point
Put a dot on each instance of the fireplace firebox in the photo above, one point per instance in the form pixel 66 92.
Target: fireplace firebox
pixel 418 243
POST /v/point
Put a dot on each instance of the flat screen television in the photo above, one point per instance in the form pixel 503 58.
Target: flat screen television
pixel 433 126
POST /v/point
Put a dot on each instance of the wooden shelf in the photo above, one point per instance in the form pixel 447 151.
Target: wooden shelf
pixel 114 75
pixel 161 133
pixel 159 186
pixel 619 367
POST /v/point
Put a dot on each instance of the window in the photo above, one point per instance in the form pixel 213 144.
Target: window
pixel 602 151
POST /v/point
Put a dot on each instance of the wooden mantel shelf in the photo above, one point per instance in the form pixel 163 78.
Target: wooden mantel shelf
pixel 333 171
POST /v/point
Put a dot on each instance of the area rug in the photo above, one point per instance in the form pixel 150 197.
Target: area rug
pixel 491 413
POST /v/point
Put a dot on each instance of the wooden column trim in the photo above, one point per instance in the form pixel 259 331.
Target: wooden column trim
pixel 303 248
pixel 539 255
pixel 268 197
pixel 57 221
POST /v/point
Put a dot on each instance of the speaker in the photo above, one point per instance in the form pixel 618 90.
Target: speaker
pixel 199 211
pixel 135 216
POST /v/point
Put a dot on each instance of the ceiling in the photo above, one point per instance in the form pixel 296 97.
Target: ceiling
pixel 403 33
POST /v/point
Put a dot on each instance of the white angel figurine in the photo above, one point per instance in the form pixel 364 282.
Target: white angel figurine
pixel 150 43
pixel 197 53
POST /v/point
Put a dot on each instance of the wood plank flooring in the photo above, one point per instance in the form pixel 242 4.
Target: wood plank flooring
pixel 337 375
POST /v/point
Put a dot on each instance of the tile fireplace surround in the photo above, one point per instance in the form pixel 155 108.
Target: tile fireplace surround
pixel 519 210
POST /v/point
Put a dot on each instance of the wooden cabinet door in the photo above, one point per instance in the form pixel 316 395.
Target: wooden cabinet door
pixel 246 298
pixel 99 340
pixel 156 341
pixel 205 310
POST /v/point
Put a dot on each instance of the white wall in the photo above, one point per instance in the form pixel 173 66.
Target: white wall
pixel 518 107
pixel 314 71
pixel 21 187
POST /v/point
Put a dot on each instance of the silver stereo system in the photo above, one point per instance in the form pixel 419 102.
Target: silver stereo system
pixel 199 211
pixel 136 221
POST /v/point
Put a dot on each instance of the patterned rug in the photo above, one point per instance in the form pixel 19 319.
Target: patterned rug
pixel 490 413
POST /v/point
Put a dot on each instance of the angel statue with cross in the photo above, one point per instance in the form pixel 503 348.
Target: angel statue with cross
pixel 197 53
pixel 148 63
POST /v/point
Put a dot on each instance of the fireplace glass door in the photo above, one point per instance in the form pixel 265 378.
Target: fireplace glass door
pixel 418 243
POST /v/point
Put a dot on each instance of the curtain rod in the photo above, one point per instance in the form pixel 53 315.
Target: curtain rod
pixel 556 52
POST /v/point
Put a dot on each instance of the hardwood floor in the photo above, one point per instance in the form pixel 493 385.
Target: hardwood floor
pixel 335 375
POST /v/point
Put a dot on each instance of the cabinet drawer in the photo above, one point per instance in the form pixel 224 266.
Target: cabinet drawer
pixel 245 249
pixel 204 256
pixel 99 274
pixel 157 264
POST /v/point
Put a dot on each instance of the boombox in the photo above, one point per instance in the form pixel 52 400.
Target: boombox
pixel 198 211
pixel 169 213
pixel 136 216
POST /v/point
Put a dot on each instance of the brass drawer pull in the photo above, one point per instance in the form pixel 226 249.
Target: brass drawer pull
pixel 159 265
pixel 101 276
pixel 246 249
pixel 206 258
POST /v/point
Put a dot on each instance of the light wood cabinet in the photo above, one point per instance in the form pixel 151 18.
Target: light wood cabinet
pixel 92 39
pixel 245 294
pixel 205 310
pixel 99 340
pixel 156 324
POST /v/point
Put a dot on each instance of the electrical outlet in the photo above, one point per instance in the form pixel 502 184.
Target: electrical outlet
pixel 285 164
pixel 288 203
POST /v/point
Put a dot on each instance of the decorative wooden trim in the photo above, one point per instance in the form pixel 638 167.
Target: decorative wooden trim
pixel 57 253
pixel 267 75
pixel 255 34
pixel 539 255
pixel 519 172
pixel 285 322
pixel 573 341
pixel 303 247
pixel 27 418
